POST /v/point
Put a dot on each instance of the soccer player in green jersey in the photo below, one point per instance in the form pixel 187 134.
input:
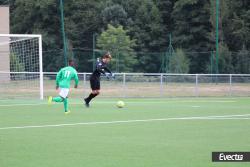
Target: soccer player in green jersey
pixel 63 79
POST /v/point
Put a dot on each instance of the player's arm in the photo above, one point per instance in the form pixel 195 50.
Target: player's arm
pixel 76 80
pixel 108 73
pixel 58 78
pixel 106 69
pixel 99 67
pixel 103 69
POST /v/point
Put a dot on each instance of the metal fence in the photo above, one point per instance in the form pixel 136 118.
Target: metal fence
pixel 27 85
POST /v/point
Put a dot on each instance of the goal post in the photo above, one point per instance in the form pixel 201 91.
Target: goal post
pixel 21 64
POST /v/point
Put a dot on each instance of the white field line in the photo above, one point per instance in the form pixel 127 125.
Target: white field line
pixel 173 98
pixel 161 99
pixel 196 106
pixel 221 117
pixel 13 105
pixel 113 102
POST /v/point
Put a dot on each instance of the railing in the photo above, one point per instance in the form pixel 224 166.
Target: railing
pixel 27 85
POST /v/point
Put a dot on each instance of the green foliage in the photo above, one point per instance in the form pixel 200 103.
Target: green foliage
pixel 243 59
pixel 192 30
pixel 35 16
pixel 179 63
pixel 115 15
pixel 120 45
pixel 146 26
pixel 237 25
pixel 82 20
pixel 15 64
pixel 4 2
pixel 225 60
pixel 165 8
pixel 149 22
pixel 115 39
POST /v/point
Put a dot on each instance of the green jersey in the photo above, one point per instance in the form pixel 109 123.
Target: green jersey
pixel 64 77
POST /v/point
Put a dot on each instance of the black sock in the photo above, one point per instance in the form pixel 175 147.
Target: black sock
pixel 91 96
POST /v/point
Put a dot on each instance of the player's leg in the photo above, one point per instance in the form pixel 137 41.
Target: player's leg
pixel 92 95
pixel 64 94
pixel 95 86
pixel 57 99
pixel 63 97
pixel 66 105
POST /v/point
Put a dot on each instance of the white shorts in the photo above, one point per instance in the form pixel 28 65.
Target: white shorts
pixel 64 92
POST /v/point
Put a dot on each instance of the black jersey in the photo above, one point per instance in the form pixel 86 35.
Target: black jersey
pixel 101 68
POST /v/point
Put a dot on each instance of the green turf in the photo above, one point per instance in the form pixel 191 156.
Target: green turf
pixel 171 143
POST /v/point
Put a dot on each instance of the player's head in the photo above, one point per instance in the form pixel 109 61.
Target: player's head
pixel 71 63
pixel 106 58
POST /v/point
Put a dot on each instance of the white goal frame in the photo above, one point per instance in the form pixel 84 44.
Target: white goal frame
pixel 40 52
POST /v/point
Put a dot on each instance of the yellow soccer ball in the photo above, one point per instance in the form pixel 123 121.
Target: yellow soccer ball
pixel 120 104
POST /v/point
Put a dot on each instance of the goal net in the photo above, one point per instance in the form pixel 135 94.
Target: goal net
pixel 21 66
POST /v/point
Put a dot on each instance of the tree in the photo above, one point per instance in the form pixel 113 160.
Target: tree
pixel 179 63
pixel 38 17
pixel 191 22
pixel 82 20
pixel 193 30
pixel 4 2
pixel 16 66
pixel 236 24
pixel 225 60
pixel 240 29
pixel 147 28
pixel 33 16
pixel 243 61
pixel 115 15
pixel 120 45
pixel 166 8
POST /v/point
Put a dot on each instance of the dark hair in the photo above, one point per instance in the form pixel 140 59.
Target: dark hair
pixel 71 62
pixel 107 55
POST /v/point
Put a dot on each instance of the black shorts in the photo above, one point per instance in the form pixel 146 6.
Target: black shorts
pixel 95 83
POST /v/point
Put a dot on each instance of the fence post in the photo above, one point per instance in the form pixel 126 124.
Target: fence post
pixel 161 86
pixel 124 85
pixel 230 85
pixel 196 85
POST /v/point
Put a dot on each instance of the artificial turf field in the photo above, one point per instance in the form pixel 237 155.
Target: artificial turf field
pixel 146 133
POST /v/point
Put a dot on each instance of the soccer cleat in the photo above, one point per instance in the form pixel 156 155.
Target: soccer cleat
pixel 86 103
pixel 66 113
pixel 50 100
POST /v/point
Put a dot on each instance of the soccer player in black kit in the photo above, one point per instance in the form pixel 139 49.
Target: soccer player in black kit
pixel 101 68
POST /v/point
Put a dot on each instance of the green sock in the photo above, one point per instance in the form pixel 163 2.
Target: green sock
pixel 66 107
pixel 57 99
